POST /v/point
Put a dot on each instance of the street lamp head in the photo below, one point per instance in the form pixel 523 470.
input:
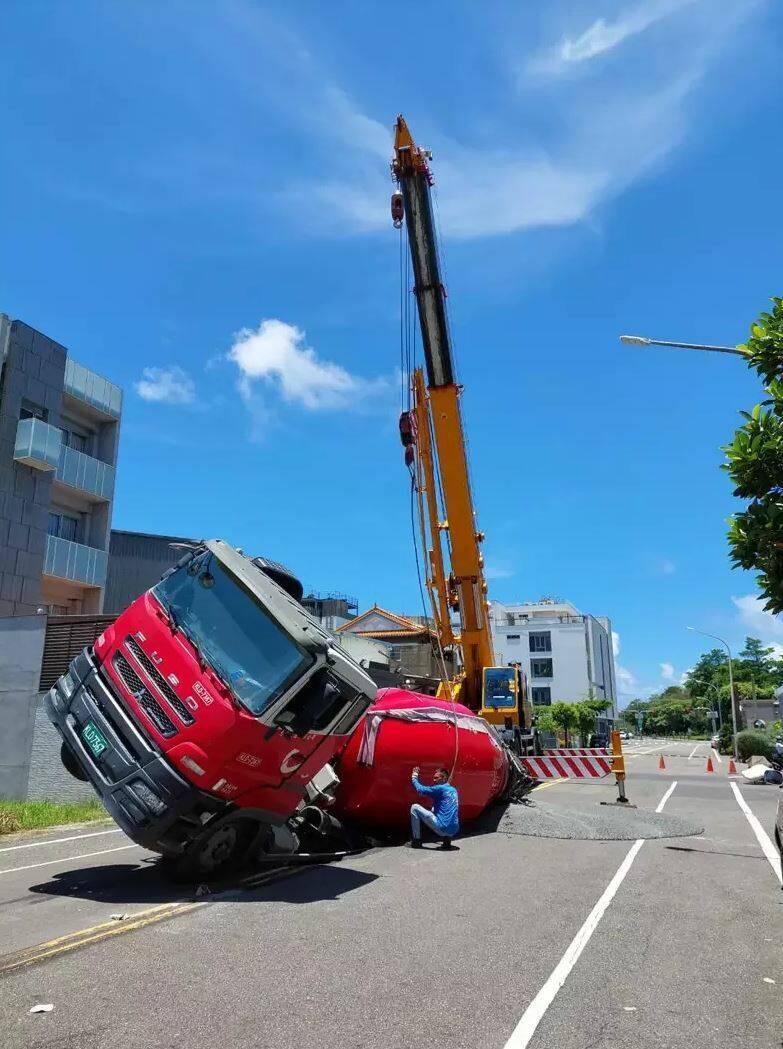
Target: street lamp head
pixel 635 340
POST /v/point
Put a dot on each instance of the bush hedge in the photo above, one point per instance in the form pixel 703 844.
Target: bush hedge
pixel 753 741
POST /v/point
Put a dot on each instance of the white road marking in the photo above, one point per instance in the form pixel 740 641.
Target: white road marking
pixel 651 750
pixel 59 841
pixel 535 1012
pixel 67 859
pixel 694 751
pixel 762 837
pixel 717 755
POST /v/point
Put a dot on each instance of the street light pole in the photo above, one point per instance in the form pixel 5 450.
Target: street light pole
pixel 731 681
pixel 642 340
pixel 710 685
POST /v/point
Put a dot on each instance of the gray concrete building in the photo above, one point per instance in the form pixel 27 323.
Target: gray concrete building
pixel 137 560
pixel 59 432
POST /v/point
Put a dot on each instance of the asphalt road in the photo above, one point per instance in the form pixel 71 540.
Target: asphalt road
pixel 508 942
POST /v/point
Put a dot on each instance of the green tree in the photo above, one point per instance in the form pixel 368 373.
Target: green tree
pixel 755 464
pixel 585 714
pixel 564 717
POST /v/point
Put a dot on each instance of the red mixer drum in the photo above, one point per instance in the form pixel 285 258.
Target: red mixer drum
pixel 402 730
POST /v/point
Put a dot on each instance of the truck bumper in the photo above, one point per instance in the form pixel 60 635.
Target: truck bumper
pixel 141 790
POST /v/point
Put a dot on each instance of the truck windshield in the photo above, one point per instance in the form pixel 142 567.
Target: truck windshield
pixel 244 645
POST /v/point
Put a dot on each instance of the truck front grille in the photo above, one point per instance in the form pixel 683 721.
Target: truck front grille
pixel 143 697
pixel 159 680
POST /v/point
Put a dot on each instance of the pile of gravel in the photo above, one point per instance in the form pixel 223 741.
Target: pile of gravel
pixel 537 819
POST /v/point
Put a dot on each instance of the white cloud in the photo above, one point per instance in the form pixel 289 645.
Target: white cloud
pixel 499 570
pixel 277 354
pixel 602 36
pixel 668 567
pixel 753 617
pixel 628 686
pixel 170 385
pixel 626 680
pixel 600 139
pixel 667 671
pixel 509 171
pixel 684 675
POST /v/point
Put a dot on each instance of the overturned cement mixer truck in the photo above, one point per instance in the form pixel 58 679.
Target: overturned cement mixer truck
pixel 215 718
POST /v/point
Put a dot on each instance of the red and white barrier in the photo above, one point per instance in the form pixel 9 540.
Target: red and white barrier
pixel 579 752
pixel 570 763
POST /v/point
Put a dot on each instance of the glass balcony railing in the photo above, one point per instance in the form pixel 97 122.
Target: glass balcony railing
pixel 37 444
pixel 86 473
pixel 92 389
pixel 75 561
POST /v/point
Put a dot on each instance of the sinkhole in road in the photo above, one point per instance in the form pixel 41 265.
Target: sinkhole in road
pixel 538 819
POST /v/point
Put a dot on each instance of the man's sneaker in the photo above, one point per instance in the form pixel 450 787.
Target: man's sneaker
pixel 446 844
pixel 415 843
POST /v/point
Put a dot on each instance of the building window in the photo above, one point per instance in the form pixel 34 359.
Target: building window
pixel 509 618
pixel 512 637
pixel 31 410
pixel 542 696
pixel 541 641
pixel 63 526
pixel 541 668
pixel 74 440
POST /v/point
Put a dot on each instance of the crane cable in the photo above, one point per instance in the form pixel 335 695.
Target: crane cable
pixel 441 654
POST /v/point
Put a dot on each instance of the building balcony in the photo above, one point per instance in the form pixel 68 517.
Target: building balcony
pixel 76 562
pixel 89 475
pixel 38 444
pixel 92 390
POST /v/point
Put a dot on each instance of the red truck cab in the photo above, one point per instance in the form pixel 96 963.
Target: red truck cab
pixel 201 715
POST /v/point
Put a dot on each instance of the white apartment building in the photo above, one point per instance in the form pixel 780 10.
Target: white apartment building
pixel 566 654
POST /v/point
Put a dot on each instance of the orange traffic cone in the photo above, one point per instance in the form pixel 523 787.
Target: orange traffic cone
pixel 732 768
pixel 709 765
pixel 661 763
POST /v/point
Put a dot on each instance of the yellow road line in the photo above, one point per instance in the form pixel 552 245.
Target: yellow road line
pixel 97 933
pixel 552 783
pixel 106 925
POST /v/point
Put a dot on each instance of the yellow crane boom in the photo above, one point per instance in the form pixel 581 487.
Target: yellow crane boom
pixel 441 461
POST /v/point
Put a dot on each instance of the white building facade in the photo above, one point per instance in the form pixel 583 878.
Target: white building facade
pixel 566 654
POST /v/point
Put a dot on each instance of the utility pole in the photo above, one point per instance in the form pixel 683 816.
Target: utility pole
pixel 731 681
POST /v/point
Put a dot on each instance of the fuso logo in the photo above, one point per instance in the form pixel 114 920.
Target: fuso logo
pixel 202 693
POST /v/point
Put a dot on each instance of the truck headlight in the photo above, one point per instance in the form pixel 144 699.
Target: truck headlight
pixel 67 684
pixel 57 700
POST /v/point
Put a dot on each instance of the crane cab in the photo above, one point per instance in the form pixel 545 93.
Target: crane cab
pixel 505 704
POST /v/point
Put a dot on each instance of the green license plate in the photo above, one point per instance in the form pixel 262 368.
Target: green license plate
pixel 94 739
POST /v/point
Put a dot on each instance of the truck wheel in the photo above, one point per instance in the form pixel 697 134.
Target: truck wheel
pixel 71 763
pixel 216 852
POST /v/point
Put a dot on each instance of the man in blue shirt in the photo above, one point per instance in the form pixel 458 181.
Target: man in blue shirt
pixel 444 817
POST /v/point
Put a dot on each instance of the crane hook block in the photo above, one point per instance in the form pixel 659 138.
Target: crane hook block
pixel 407 428
pixel 397 209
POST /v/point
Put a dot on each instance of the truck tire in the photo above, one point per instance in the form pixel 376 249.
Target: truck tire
pixel 281 575
pixel 71 763
pixel 215 853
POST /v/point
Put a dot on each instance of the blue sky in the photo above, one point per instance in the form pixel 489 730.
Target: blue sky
pixel 194 200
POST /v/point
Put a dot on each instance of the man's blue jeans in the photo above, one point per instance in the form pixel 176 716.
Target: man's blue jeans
pixel 421 815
